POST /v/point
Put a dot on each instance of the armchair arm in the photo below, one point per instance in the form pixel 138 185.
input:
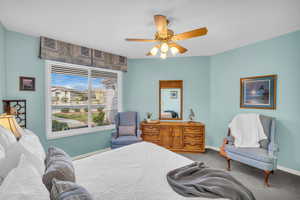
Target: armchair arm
pixel 139 133
pixel 114 134
pixel 273 147
pixel 230 140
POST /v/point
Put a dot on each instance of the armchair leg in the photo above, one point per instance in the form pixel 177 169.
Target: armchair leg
pixel 228 164
pixel 267 174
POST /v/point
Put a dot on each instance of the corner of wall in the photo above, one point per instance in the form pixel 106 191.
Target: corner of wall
pixel 209 124
pixel 2 64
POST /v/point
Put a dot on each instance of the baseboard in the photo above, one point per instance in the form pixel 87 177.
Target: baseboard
pixel 285 169
pixel 289 170
pixel 213 148
pixel 91 154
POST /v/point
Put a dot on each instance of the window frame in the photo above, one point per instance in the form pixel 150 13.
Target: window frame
pixel 48 110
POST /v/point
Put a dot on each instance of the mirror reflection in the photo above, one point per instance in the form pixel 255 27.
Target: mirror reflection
pixel 170 103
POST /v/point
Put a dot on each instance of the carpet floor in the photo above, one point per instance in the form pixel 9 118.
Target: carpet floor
pixel 284 186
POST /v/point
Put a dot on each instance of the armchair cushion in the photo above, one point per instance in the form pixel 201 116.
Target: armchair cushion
pixel 127 130
pixel 258 154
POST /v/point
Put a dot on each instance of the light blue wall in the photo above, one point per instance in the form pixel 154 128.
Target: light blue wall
pixel 141 84
pixel 22 60
pixel 2 64
pixel 279 56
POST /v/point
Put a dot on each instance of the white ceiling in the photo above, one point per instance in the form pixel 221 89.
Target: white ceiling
pixel 103 24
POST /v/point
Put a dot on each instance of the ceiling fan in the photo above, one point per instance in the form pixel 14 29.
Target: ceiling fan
pixel 166 38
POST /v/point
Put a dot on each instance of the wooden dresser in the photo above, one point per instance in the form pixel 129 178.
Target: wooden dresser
pixel 176 136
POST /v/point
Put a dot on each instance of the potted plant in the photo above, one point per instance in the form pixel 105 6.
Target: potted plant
pixel 149 115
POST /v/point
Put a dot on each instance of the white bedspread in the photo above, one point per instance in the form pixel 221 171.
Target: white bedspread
pixel 134 172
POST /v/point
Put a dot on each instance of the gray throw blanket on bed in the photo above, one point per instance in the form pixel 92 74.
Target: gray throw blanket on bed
pixel 197 180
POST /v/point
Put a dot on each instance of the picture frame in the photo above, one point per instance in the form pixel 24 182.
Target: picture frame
pixel 27 83
pixel 173 94
pixel 258 92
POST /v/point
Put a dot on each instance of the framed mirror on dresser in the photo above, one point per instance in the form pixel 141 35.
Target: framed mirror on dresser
pixel 170 131
pixel 170 99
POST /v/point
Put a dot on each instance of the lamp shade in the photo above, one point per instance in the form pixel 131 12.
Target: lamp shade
pixel 9 122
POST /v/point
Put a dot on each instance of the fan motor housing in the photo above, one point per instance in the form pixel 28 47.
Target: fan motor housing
pixel 170 34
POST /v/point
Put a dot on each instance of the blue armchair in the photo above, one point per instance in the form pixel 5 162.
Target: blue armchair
pixel 264 158
pixel 126 119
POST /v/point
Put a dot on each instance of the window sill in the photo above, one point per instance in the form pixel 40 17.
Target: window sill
pixel 83 131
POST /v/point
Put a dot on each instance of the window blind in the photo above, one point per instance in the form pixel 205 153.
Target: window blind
pixel 69 71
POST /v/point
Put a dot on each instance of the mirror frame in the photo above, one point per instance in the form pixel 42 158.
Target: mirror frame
pixel 171 84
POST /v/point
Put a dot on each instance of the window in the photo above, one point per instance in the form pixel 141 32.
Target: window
pixel 80 99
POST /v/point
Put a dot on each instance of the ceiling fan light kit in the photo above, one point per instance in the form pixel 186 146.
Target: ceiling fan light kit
pixel 163 55
pixel 154 51
pixel 174 51
pixel 164 47
pixel 166 38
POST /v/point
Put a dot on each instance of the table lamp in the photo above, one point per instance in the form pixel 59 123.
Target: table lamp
pixel 9 122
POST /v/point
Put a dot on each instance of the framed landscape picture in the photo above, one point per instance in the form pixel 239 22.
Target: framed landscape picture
pixel 258 92
pixel 27 83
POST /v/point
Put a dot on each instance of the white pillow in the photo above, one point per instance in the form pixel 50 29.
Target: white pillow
pixel 29 144
pixel 6 137
pixel 2 152
pixel 23 182
pixel 2 160
pixel 33 144
pixel 12 157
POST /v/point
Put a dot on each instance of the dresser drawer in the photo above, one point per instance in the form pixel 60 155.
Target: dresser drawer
pixel 193 129
pixel 150 133
pixel 150 129
pixel 194 142
pixel 193 135
pixel 150 137
pixel 193 147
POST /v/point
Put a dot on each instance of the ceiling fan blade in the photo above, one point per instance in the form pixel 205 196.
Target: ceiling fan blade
pixel 181 49
pixel 139 40
pixel 161 25
pixel 190 34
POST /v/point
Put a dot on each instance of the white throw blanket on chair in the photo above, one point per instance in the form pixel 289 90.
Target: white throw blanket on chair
pixel 247 130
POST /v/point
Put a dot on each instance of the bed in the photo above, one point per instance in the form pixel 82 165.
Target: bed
pixel 134 172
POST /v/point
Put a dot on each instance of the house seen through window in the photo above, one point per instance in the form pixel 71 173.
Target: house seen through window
pixel 82 98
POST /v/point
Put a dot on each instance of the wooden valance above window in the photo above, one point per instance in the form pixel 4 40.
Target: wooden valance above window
pixel 51 49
